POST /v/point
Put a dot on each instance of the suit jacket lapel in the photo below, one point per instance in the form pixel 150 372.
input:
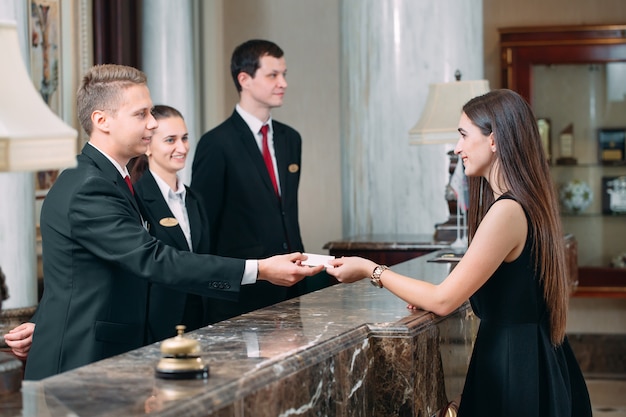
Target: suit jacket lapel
pixel 110 172
pixel 249 143
pixel 154 202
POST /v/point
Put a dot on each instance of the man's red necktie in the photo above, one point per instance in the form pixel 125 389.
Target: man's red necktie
pixel 267 157
pixel 130 185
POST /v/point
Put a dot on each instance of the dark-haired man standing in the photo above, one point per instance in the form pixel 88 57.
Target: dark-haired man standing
pixel 247 171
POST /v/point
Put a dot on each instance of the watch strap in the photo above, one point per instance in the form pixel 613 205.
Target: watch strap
pixel 376 273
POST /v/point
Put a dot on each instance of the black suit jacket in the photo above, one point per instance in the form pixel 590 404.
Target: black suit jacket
pixel 168 307
pixel 246 218
pixel 97 261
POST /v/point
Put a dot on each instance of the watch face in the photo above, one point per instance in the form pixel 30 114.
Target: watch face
pixel 375 278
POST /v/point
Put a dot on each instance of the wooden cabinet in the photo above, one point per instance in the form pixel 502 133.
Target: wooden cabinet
pixel 524 47
pixel 574 77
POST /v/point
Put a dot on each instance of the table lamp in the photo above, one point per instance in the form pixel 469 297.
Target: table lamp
pixel 439 125
pixel 32 138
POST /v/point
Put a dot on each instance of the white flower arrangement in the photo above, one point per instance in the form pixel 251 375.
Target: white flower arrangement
pixel 575 196
pixel 619 261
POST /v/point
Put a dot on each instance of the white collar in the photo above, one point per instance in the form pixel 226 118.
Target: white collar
pixel 167 191
pixel 122 170
pixel 253 123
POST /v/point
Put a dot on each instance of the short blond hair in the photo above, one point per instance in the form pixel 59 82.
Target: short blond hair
pixel 101 89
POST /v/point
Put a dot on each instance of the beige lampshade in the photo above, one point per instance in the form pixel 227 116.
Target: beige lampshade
pixel 32 137
pixel 440 119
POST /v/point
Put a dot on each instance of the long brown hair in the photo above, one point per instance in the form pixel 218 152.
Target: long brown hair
pixel 523 167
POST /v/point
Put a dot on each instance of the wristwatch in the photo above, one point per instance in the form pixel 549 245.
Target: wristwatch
pixel 375 278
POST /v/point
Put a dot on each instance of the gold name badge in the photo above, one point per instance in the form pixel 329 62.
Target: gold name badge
pixel 168 222
pixel 293 168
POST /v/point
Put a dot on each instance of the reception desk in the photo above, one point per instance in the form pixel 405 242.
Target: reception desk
pixel 346 350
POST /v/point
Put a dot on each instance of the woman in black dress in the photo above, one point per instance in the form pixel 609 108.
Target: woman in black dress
pixel 514 270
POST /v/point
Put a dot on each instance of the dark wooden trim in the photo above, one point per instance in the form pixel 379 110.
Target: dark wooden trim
pixel 601 282
pixel 117 32
pixel 521 48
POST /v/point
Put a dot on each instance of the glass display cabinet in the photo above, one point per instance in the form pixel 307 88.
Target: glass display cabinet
pixel 574 77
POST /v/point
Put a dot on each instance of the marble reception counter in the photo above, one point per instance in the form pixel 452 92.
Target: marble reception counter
pixel 346 350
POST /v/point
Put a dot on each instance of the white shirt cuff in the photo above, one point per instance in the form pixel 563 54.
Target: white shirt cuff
pixel 250 272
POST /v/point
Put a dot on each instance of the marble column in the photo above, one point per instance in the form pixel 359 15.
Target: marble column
pixel 168 60
pixel 17 239
pixel 17 211
pixel 391 51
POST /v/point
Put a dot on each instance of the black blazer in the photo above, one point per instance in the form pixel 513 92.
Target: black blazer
pixel 167 306
pixel 246 218
pixel 97 262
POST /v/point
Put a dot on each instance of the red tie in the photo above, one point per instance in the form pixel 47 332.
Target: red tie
pixel 267 157
pixel 130 185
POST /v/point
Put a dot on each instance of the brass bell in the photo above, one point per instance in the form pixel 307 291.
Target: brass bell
pixel 181 358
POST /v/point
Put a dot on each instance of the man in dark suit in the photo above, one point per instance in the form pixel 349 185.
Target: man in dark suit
pixel 98 258
pixel 249 179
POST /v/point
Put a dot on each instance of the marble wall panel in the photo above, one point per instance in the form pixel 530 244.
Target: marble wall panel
pixel 408 379
pixel 17 239
pixel 390 53
pixel 168 60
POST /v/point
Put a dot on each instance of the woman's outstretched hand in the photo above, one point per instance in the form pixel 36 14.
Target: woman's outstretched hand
pixel 351 269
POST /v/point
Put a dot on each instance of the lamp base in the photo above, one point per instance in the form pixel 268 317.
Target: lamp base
pixel 449 231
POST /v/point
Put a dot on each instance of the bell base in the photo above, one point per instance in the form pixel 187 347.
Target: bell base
pixel 183 374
